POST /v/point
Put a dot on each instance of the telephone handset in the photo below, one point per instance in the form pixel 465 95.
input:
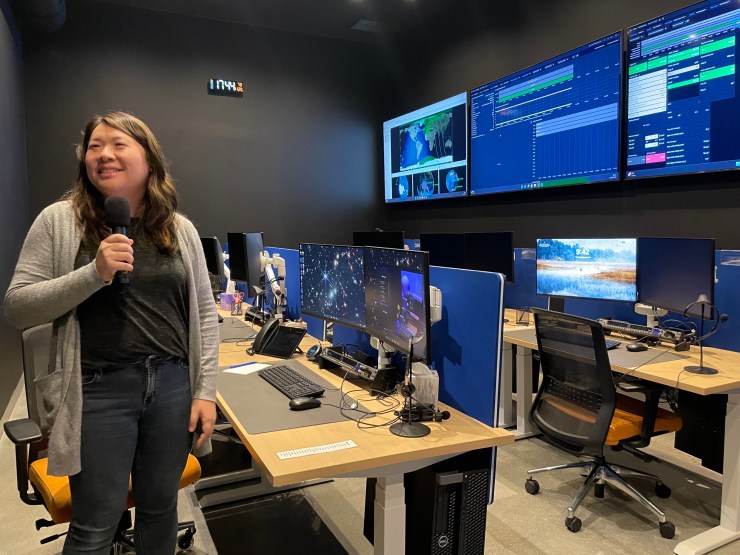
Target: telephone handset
pixel 264 336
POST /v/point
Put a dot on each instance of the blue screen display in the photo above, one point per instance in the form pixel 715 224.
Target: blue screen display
pixel 397 298
pixel 425 152
pixel 553 124
pixel 682 106
pixel 603 269
pixel 333 283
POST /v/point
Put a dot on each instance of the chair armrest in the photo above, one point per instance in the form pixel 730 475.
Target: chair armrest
pixel 22 432
pixel 652 392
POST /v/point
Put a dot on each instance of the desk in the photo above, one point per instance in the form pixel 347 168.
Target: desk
pixel 667 370
pixel 378 453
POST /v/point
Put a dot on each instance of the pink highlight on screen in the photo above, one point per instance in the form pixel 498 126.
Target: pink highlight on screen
pixel 655 158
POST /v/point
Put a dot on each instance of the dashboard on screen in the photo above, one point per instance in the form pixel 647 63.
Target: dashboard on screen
pixel 604 269
pixel 553 124
pixel 682 106
pixel 425 152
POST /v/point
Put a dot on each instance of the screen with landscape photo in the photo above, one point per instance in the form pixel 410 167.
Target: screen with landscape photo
pixel 603 269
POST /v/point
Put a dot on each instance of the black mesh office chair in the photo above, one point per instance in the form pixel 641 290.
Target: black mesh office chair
pixel 578 409
pixel 31 462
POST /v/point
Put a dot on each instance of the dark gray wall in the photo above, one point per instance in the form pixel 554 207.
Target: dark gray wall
pixel 295 158
pixel 494 38
pixel 13 189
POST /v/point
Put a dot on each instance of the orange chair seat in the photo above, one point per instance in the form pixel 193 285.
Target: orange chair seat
pixel 58 500
pixel 627 420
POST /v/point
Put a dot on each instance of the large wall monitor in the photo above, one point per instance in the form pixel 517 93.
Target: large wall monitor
pixel 425 152
pixel 604 269
pixel 333 283
pixel 674 271
pixel 682 105
pixel 397 298
pixel 553 124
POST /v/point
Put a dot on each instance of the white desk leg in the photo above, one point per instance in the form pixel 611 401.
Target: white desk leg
pixel 390 516
pixel 524 392
pixel 506 400
pixel 729 525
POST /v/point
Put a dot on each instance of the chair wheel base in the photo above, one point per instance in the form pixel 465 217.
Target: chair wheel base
pixel 574 524
pixel 667 530
pixel 532 486
pixel 662 491
pixel 185 541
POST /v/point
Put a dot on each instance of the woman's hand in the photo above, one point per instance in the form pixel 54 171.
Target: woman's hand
pixel 202 418
pixel 115 254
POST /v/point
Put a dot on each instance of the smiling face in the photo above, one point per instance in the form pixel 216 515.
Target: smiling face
pixel 117 165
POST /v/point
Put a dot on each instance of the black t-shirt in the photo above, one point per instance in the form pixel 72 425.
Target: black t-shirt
pixel 124 323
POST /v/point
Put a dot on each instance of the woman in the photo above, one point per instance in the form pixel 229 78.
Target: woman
pixel 132 379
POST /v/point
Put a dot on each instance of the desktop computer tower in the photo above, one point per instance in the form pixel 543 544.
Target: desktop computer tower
pixel 445 508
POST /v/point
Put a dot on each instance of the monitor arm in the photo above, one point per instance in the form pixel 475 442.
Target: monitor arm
pixel 276 284
pixel 435 304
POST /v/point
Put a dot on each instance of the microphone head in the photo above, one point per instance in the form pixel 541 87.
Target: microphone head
pixel 723 318
pixel 117 212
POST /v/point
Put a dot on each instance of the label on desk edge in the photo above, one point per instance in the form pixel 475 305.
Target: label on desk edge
pixel 347 444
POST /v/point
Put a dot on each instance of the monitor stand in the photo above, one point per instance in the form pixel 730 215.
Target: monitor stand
pixel 556 303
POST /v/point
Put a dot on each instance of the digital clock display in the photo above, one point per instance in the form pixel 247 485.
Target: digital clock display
pixel 225 87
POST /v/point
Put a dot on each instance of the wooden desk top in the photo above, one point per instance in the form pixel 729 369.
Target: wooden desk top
pixel 376 447
pixel 659 364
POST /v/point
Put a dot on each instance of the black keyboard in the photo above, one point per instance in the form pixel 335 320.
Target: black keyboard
pixel 578 339
pixel 290 383
pixel 611 343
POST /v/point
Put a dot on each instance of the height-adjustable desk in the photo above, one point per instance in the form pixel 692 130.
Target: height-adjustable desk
pixel 378 453
pixel 666 369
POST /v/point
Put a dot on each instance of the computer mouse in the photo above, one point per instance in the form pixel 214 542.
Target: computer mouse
pixel 636 347
pixel 303 403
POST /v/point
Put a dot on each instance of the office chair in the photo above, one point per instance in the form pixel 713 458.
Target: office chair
pixel 578 409
pixel 31 463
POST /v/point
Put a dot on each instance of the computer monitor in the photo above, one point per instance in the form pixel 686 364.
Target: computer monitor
pixel 673 272
pixel 214 262
pixel 553 124
pixel 603 269
pixel 397 298
pixel 245 264
pixel 425 152
pixel 682 99
pixel 445 249
pixel 491 252
pixel 387 239
pixel 333 283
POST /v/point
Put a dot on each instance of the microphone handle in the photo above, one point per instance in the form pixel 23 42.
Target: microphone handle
pixel 121 276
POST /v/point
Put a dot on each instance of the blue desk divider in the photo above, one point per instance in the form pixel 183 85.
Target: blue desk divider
pixel 292 281
pixel 727 300
pixel 467 344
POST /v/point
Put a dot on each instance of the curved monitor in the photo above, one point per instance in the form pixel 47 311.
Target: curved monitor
pixel 553 124
pixel 397 299
pixel 604 269
pixel 682 99
pixel 333 283
pixel 425 152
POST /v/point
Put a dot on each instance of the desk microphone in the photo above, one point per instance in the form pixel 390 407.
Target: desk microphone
pixel 118 218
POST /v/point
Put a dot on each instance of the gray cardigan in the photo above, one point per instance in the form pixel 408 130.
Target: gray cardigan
pixel 46 287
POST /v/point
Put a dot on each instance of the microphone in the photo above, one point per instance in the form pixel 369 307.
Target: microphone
pixel 118 218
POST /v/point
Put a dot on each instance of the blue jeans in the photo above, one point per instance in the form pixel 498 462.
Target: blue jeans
pixel 134 421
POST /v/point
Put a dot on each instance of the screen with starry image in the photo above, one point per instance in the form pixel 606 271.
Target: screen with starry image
pixel 333 283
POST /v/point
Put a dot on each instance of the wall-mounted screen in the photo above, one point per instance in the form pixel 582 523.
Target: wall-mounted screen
pixel 425 152
pixel 553 124
pixel 682 105
pixel 603 269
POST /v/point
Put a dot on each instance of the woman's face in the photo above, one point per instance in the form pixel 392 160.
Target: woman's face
pixel 116 164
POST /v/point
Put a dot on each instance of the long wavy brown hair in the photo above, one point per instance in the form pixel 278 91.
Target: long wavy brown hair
pixel 157 210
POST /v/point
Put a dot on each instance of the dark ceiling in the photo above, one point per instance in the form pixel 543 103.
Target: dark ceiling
pixel 326 18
